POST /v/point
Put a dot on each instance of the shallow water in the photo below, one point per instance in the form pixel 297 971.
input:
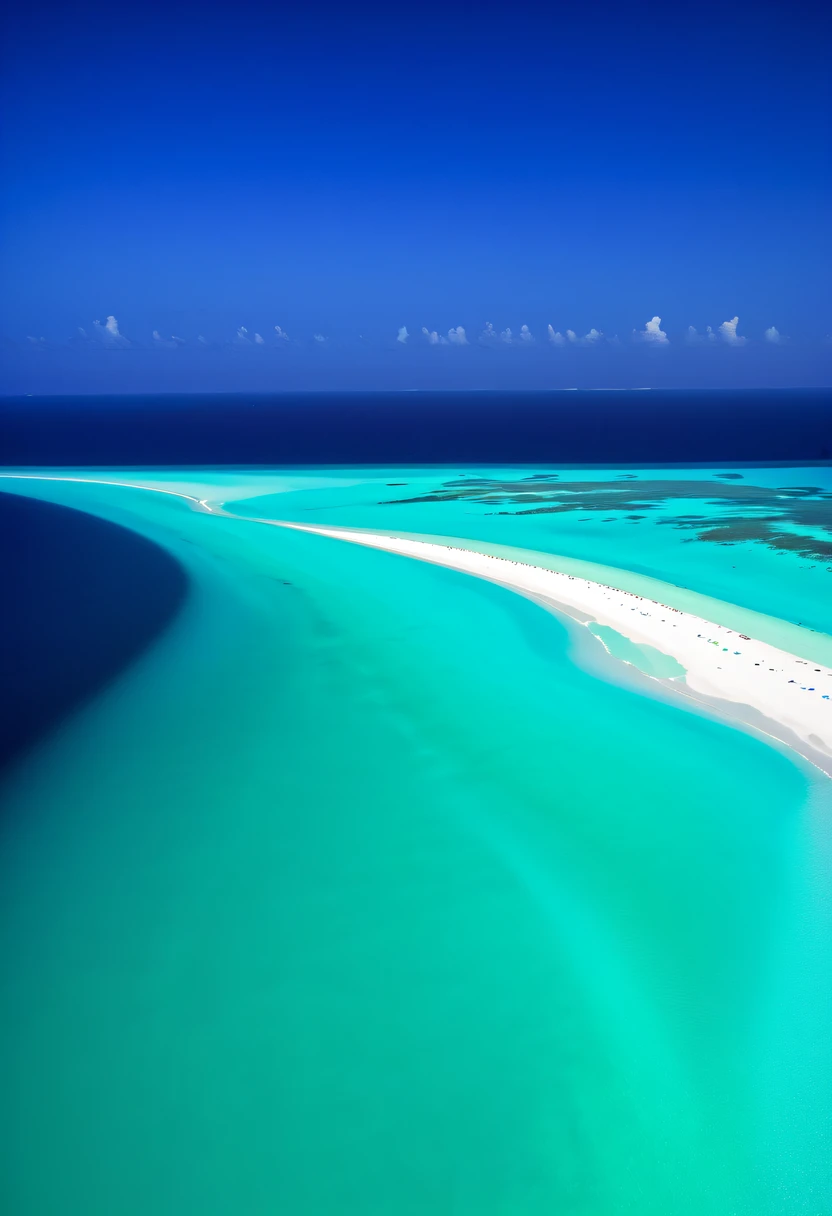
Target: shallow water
pixel 646 658
pixel 375 888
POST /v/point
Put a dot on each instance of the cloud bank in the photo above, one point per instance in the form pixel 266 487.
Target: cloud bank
pixel 107 335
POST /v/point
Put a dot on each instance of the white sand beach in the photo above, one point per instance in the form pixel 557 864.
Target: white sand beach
pixel 774 692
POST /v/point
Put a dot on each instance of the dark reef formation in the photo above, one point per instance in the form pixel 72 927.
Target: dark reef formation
pixel 785 518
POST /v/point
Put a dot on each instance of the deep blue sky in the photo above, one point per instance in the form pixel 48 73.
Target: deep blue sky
pixel 348 171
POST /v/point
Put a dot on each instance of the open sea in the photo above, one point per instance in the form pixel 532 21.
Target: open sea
pixel 333 882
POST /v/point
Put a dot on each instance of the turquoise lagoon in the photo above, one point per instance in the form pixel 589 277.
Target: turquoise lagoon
pixel 374 888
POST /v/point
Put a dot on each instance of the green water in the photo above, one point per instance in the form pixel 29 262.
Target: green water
pixel 374 888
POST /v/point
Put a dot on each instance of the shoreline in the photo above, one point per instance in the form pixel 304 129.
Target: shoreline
pixel 770 691
pixel 763 692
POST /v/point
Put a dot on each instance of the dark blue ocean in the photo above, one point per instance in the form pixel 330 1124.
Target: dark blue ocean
pixel 648 426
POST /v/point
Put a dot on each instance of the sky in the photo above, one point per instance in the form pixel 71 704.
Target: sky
pixel 253 197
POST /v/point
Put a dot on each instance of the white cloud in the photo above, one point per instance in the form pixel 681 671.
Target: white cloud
pixel 489 335
pixel 35 341
pixel 108 333
pixel 320 338
pixel 201 340
pixel 558 339
pixel 456 336
pixel 728 329
pixel 434 338
pixel 774 336
pixel 694 338
pixel 653 333
pixel 506 336
pixel 170 343
pixel 281 334
pixel 242 337
pixel 259 341
pixel 402 335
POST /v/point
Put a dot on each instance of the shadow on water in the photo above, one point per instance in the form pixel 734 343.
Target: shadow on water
pixel 83 597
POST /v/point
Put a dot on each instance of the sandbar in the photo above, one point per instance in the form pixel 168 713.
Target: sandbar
pixel 769 690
